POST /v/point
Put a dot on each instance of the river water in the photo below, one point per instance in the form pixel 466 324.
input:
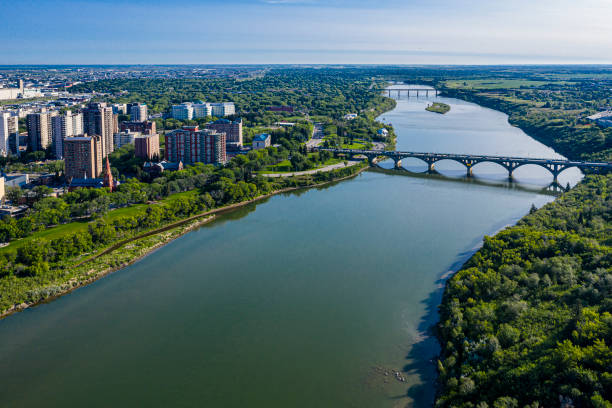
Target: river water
pixel 309 299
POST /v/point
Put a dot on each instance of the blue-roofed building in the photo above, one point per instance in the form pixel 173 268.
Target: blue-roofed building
pixel 261 141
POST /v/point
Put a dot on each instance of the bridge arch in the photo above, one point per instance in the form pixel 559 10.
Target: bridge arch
pixel 554 170
pixel 416 161
pixel 507 167
pixel 437 160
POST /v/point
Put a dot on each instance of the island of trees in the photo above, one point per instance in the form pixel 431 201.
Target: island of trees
pixel 438 107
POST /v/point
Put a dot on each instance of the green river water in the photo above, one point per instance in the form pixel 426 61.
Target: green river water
pixel 304 300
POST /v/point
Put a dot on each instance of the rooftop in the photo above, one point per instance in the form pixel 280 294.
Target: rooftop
pixel 261 138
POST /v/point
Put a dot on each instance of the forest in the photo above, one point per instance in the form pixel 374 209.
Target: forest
pixel 527 321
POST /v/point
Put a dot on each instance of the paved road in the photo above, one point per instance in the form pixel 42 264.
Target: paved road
pixel 317 136
pixel 299 173
pixel 378 146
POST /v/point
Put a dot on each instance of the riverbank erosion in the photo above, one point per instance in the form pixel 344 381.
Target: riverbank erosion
pixel 122 246
pixel 527 320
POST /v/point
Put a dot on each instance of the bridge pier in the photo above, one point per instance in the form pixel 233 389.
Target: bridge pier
pixel 510 166
pixel 398 163
pixel 555 169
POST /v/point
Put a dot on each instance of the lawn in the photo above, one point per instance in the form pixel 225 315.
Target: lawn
pixel 77 226
pixel 355 145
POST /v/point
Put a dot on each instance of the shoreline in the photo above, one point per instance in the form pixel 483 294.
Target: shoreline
pixel 187 225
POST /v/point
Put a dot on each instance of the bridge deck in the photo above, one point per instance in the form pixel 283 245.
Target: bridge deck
pixel 475 158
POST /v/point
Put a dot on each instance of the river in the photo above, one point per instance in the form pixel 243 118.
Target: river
pixel 304 300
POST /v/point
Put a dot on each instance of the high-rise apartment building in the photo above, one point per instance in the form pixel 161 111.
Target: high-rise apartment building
pixel 232 130
pixel 191 145
pixel 147 146
pixel 40 133
pixel 67 125
pixel 188 110
pixel 202 110
pixel 183 111
pixel 9 133
pixel 138 113
pixel 83 156
pixel 222 109
pixel 120 108
pixel 98 119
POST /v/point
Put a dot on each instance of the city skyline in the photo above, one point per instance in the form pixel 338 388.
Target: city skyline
pixel 307 32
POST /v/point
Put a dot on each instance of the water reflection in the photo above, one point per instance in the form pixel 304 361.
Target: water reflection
pixel 553 189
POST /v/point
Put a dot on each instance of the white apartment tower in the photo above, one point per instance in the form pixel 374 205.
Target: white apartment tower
pixel 9 130
pixel 68 125
pixel 138 113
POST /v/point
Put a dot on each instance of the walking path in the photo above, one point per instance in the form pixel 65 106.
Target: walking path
pixel 313 171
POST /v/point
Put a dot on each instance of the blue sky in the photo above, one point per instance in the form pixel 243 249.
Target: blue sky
pixel 305 31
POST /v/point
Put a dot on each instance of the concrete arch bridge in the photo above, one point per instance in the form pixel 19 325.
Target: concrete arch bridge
pixel 554 166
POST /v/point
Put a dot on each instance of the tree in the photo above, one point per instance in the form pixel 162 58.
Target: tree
pixel 14 195
pixel 41 192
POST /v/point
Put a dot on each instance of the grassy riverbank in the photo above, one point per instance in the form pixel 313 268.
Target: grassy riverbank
pixel 438 107
pixel 527 321
pixel 20 292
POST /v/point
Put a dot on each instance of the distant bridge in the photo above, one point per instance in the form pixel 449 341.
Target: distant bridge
pixel 554 166
pixel 408 90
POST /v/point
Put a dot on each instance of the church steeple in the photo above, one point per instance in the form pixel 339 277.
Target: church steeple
pixel 108 176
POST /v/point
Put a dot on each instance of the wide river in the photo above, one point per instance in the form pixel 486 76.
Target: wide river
pixel 310 299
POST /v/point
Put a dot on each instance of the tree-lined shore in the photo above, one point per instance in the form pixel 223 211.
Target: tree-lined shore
pixel 527 321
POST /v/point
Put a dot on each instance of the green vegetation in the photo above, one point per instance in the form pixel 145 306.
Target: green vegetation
pixel 528 320
pixel 323 92
pixel 27 272
pixel 438 107
pixel 315 161
pixel 497 83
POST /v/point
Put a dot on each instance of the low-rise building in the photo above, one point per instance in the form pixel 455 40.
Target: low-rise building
pixel 145 127
pixel 602 118
pixel 261 141
pixel 280 109
pixel 158 168
pixel 124 138
pixel 13 210
pixel 382 132
pixel 16 179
